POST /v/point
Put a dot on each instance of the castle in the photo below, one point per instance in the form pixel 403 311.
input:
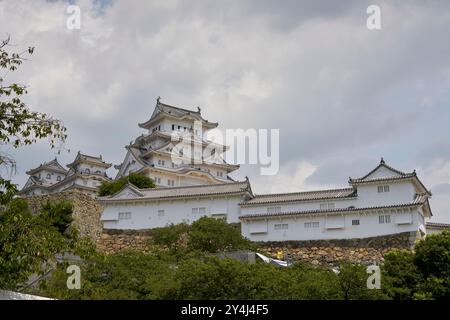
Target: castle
pixel 85 173
pixel 192 181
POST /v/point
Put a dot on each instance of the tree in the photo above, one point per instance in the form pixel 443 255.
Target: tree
pixel 353 283
pixel 400 275
pixel 28 242
pixel 213 235
pixel 172 237
pixel 111 187
pixel 18 124
pixel 421 274
pixel 129 275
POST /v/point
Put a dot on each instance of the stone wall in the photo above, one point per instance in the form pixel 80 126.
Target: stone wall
pixel 87 214
pixel 86 211
pixel 112 241
pixel 333 252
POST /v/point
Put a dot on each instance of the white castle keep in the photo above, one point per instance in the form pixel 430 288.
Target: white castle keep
pixel 192 181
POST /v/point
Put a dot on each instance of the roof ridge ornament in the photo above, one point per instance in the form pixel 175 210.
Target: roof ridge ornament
pixel 382 161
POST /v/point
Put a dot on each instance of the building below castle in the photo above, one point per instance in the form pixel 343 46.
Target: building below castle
pixel 85 173
pixel 385 201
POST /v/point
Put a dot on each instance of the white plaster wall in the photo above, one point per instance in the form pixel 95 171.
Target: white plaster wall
pixel 369 227
pixel 399 193
pixel 145 215
pixel 53 177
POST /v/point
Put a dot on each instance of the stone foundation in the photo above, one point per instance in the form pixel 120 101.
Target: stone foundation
pixel 86 211
pixel 333 252
pixel 112 241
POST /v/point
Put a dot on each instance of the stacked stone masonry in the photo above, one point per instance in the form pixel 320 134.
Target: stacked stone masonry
pixel 87 214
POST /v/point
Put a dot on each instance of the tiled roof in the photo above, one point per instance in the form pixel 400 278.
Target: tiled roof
pixel 437 225
pixel 92 159
pixel 301 196
pixel 53 166
pixel 414 203
pixel 188 191
pixel 163 108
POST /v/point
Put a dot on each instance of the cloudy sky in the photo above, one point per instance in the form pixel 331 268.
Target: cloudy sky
pixel 341 95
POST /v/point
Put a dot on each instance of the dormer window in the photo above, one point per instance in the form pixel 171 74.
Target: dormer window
pixel 49 176
pixel 382 189
pixel 87 171
pixel 58 178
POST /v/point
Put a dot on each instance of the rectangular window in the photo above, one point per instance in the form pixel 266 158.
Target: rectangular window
pixel 194 210
pixel 382 189
pixel 281 226
pixel 327 206
pixel 202 210
pixel 386 188
pixel 384 219
pixel 173 127
pixel 355 222
pixel 160 213
pixel 313 224
pixel 272 210
pixel 124 215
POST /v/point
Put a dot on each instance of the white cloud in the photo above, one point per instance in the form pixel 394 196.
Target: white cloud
pixel 341 95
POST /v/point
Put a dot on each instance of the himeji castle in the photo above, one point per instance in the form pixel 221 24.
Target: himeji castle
pixel 85 173
pixel 174 151
pixel 193 181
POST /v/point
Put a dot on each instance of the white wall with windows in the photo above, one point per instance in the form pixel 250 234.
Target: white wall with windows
pixel 332 226
pixel 155 214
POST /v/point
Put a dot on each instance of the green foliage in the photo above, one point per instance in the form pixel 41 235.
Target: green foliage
pixel 400 275
pixel 26 243
pixel 206 235
pixel 172 237
pixel 213 235
pixel 111 187
pixel 57 214
pixel 18 124
pixel 423 274
pixel 352 280
pixel 125 275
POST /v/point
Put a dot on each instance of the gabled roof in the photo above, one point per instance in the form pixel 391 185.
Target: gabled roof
pixel 390 174
pixel 394 173
pixel 52 166
pixel 345 193
pixel 83 158
pixel 185 192
pixel 418 201
pixel 176 112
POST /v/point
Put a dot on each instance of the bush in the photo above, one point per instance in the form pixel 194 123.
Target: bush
pixel 212 235
pixel 127 275
pixel 28 242
pixel 423 274
pixel 111 187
